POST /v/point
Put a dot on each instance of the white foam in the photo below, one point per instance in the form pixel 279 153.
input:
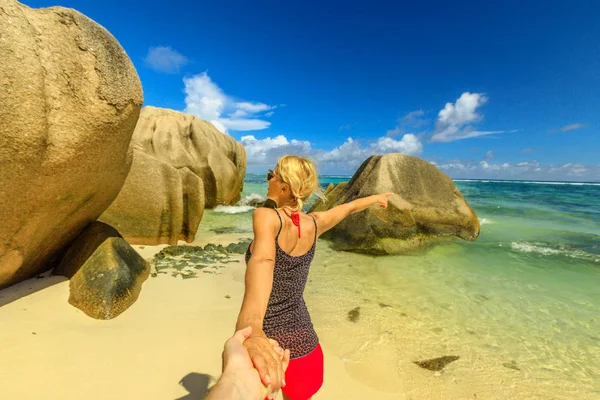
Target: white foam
pixel 532 248
pixel 485 221
pixel 530 182
pixel 232 209
pixel 549 251
pixel 246 200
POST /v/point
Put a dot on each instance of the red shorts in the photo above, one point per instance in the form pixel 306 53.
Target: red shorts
pixel 304 376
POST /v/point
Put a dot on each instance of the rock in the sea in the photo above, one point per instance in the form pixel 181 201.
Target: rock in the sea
pixel 106 272
pixel 437 364
pixel 426 204
pixel 354 314
pixel 330 196
pixel 158 203
pixel 69 102
pixel 185 141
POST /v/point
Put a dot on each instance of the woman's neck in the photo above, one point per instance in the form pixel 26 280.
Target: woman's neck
pixel 289 207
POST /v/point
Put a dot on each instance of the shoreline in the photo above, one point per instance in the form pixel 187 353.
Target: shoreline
pixel 168 344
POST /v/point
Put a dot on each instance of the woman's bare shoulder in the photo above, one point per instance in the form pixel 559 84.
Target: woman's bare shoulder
pixel 265 217
pixel 264 213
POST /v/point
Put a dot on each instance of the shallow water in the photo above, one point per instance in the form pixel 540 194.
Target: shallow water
pixel 520 306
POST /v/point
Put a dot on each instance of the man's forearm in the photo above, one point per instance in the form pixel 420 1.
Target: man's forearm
pixel 225 389
pixel 230 388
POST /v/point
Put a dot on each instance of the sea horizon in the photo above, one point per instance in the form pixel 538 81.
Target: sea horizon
pixel 540 181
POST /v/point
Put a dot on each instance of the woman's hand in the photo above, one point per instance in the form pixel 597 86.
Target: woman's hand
pixel 269 360
pixel 382 199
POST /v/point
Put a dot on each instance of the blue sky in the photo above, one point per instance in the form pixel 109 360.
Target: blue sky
pixel 510 90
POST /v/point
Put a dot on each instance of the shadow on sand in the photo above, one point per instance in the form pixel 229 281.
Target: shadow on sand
pixel 25 288
pixel 196 384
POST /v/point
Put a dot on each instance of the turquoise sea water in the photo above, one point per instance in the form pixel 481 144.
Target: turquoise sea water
pixel 522 303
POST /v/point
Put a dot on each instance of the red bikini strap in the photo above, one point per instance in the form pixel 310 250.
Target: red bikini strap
pixel 296 220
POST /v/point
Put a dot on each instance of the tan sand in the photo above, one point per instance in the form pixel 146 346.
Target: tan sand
pixel 168 345
pixel 164 347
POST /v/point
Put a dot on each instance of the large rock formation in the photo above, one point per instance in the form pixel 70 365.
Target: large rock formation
pixel 181 165
pixel 185 141
pixel 106 273
pixel 329 197
pixel 158 203
pixel 426 204
pixel 69 102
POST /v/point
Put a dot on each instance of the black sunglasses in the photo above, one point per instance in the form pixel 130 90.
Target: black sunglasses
pixel 270 175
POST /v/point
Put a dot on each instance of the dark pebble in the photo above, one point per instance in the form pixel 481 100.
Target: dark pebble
pixel 511 365
pixel 436 364
pixel 354 314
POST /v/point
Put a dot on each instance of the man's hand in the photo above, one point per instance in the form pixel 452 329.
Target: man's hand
pixel 240 380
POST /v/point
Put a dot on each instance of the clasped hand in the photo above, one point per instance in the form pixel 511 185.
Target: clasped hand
pixel 253 368
pixel 270 360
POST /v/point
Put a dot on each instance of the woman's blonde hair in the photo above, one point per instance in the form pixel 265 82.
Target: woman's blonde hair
pixel 300 173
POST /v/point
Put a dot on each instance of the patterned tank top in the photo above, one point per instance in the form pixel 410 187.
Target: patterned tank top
pixel 287 319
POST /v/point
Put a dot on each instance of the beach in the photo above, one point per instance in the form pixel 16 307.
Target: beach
pixel 166 346
pixel 515 311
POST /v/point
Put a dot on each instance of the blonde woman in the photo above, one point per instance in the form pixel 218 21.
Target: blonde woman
pixel 278 261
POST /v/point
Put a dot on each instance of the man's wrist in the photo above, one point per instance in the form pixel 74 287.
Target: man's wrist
pixel 236 380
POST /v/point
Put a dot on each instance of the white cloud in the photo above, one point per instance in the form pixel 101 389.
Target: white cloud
pixel 165 59
pixel 455 120
pixel 527 170
pixel 245 108
pixel 463 111
pixel 346 127
pixel 351 154
pixel 206 100
pixel 409 144
pixel 414 119
pixel 253 108
pixel 489 155
pixel 238 114
pixel 265 152
pixel 203 97
pixel 244 124
pixel 261 153
pixel 572 127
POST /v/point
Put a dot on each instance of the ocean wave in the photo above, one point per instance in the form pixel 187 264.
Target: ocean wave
pixel 565 183
pixel 546 249
pixel 485 221
pixel 533 248
pixel 246 200
pixel 530 182
pixel 232 209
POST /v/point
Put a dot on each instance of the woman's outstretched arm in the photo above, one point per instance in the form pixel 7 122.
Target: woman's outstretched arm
pixel 330 218
pixel 259 282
